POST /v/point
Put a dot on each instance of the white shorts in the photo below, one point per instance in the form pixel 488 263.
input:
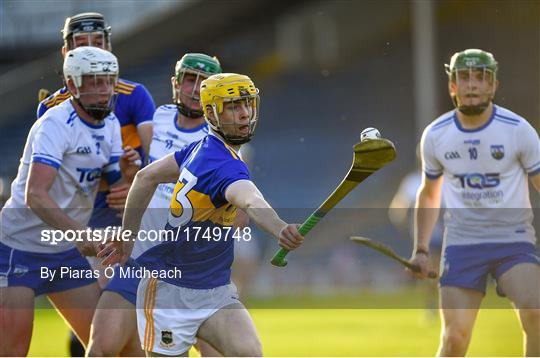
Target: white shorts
pixel 174 314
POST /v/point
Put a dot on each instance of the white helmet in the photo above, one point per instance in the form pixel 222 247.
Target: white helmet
pixel 92 61
pixel 87 60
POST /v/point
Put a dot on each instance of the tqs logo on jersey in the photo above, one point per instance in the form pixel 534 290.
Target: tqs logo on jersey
pixel 168 143
pixel 479 181
pixel 452 155
pixel 497 151
pixel 89 174
pixel 84 150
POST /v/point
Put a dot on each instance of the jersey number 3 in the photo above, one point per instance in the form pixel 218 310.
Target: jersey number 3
pixel 181 209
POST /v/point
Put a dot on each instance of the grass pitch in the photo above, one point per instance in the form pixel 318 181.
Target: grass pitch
pixel 337 332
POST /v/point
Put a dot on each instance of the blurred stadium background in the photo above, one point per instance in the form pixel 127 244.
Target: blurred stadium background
pixel 326 70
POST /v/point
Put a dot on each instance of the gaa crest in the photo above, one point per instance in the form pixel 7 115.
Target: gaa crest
pixel 497 151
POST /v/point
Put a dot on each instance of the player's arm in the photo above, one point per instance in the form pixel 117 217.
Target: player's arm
pixel 528 145
pixel 145 131
pixel 40 180
pixel 245 195
pixel 146 181
pixel 143 113
pixel 426 213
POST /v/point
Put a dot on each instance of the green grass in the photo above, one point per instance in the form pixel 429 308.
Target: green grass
pixel 337 332
pixel 50 336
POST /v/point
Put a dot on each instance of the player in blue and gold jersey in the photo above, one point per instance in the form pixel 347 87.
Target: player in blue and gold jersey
pixel 114 327
pixel 194 295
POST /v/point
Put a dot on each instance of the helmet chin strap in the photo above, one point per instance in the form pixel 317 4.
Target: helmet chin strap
pixel 96 112
pixel 188 112
pixel 236 140
pixel 471 110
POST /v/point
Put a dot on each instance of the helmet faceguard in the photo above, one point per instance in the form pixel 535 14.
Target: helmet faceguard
pixel 472 74
pixel 200 66
pixel 94 73
pixel 87 29
pixel 99 91
pixel 234 103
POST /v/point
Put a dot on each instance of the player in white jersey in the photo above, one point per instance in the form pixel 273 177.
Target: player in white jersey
pixel 480 156
pixel 67 151
pixel 114 327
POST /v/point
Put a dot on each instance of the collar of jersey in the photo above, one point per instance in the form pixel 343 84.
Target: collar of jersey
pixel 478 129
pixel 184 130
pixel 216 135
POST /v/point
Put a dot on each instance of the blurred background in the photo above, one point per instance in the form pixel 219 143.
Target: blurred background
pixel 325 69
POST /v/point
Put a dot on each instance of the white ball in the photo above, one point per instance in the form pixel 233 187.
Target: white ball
pixel 370 133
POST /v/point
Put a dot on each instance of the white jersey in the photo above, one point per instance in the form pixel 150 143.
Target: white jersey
pixel 167 139
pixel 81 153
pixel 485 176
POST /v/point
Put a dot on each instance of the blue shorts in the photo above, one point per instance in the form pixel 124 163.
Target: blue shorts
pixel 124 286
pixel 468 266
pixel 24 268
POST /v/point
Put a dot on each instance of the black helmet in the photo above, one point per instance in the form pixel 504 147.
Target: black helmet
pixel 86 22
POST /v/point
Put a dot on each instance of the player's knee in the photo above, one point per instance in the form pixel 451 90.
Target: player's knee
pixel 101 346
pixel 456 336
pixel 15 349
pixel 15 341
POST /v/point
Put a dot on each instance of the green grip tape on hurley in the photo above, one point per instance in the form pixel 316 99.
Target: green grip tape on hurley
pixel 279 258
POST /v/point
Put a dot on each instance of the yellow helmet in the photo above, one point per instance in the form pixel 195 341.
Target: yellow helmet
pixel 230 87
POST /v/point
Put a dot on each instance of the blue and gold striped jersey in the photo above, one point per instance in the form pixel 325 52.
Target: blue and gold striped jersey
pixel 200 218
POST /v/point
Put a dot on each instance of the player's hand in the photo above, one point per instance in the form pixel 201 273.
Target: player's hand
pixel 87 247
pixel 289 237
pixel 130 163
pixel 113 252
pixel 421 260
pixel 117 196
